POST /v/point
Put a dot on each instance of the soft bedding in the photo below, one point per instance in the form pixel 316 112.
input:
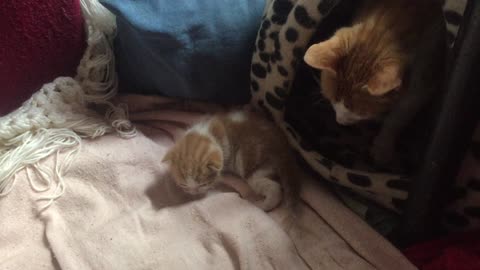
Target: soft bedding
pixel 120 211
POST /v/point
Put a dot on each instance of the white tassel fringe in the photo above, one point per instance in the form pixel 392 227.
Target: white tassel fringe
pixel 54 119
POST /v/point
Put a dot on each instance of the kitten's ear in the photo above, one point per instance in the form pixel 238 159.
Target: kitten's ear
pixel 215 162
pixel 324 55
pixel 385 80
pixel 214 167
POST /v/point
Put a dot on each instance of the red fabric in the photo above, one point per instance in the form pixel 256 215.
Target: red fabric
pixel 39 41
pixel 456 252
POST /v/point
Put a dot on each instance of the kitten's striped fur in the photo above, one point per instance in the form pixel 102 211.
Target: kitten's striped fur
pixel 242 143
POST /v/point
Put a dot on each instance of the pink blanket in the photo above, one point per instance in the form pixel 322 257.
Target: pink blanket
pixel 121 211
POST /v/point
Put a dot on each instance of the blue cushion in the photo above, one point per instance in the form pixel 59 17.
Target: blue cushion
pixel 198 49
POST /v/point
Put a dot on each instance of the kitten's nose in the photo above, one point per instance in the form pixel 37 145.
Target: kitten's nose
pixel 192 191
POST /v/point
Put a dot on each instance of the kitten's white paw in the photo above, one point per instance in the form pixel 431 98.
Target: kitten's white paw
pixel 270 190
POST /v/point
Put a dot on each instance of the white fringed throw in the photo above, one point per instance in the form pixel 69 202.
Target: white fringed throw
pixel 56 118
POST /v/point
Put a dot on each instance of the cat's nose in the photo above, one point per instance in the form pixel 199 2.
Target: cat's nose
pixel 344 120
pixel 343 115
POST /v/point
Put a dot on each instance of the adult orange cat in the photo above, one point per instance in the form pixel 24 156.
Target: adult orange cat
pixel 366 67
pixel 242 143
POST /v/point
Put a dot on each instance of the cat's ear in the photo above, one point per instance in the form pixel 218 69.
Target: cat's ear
pixel 324 55
pixel 387 79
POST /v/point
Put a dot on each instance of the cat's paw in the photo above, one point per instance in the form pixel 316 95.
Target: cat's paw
pixel 270 192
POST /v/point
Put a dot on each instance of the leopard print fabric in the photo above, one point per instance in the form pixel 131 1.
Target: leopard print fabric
pixel 286 30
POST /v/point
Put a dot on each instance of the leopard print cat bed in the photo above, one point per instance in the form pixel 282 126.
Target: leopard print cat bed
pixel 287 29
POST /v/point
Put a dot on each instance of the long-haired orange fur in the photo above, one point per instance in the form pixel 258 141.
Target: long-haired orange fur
pixel 364 64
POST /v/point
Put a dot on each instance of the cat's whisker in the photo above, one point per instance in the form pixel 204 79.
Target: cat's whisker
pixel 318 100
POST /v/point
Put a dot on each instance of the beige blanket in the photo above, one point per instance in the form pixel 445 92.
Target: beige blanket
pixel 120 211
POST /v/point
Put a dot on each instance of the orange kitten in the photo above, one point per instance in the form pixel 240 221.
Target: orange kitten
pixel 238 142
